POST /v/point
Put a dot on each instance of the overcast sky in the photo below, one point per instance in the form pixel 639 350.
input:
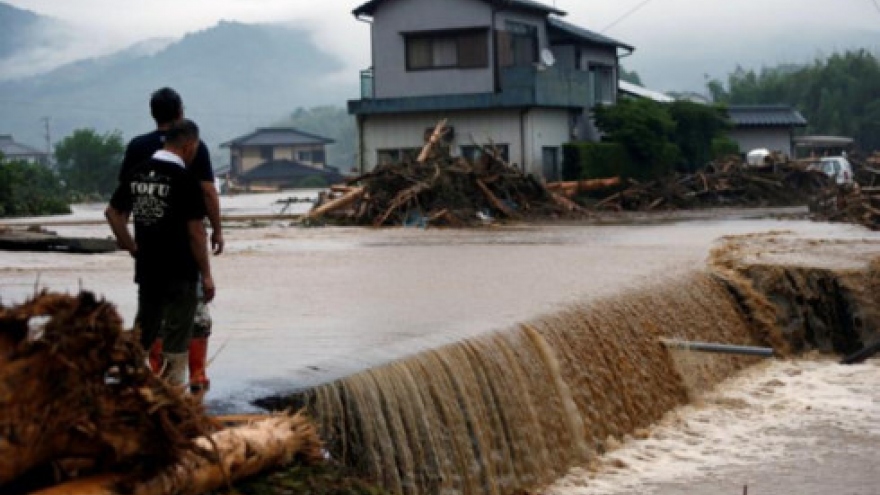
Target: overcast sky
pixel 712 35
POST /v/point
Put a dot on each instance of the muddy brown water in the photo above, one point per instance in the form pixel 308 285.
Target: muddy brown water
pixel 543 336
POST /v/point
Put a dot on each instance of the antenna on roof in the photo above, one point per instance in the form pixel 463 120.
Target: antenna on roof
pixel 547 57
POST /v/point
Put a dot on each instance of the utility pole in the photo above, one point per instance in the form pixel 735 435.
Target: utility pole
pixel 48 137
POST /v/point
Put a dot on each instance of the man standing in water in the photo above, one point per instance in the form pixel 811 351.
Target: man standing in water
pixel 169 246
pixel 166 107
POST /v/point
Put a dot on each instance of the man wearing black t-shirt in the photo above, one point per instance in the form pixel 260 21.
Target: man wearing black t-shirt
pixel 169 245
pixel 166 107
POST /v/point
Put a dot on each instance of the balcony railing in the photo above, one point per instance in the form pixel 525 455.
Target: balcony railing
pixel 519 87
pixel 554 86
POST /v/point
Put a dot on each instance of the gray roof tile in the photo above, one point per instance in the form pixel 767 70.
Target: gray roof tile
pixel 561 30
pixel 277 136
pixel 10 149
pixel 765 116
pixel 369 8
pixel 288 170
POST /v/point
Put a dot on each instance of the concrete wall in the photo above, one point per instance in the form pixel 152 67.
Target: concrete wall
pixel 394 17
pixel 598 55
pixel 539 128
pixel 250 157
pixel 774 139
pixel 545 128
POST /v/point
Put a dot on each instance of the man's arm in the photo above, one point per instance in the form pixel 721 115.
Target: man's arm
pixel 198 242
pixel 118 221
pixel 212 207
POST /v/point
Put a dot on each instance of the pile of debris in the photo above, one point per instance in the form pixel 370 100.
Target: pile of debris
pixel 724 183
pixel 78 402
pixel 438 189
pixel 858 202
pixel 851 204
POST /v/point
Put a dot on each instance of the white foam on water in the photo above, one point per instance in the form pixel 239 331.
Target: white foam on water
pixel 776 410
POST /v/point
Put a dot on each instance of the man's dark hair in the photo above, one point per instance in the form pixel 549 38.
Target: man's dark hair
pixel 181 132
pixel 166 106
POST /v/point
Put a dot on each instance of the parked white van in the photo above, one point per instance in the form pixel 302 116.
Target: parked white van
pixel 836 167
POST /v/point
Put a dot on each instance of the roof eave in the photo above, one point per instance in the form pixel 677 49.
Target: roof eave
pixel 369 8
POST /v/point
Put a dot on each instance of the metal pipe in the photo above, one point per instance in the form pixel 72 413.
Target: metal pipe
pixel 720 348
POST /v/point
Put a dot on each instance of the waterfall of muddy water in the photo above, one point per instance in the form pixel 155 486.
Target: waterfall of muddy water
pixel 515 409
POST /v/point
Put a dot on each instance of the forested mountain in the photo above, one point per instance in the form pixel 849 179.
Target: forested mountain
pixel 31 43
pixel 18 26
pixel 839 95
pixel 233 77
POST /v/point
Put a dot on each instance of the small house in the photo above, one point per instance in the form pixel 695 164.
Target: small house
pixel 280 157
pixel 12 150
pixel 765 126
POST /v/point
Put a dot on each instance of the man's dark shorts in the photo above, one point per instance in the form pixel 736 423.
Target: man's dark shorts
pixel 167 310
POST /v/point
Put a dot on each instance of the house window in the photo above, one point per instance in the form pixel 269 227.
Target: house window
pixel 396 155
pixel 319 156
pixel 314 157
pixel 604 86
pixel 461 49
pixel 266 153
pixel 473 153
pixel 518 44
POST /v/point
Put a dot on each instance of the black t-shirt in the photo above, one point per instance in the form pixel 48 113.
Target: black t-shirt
pixel 141 149
pixel 162 197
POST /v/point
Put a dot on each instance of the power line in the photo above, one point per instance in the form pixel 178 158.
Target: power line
pixel 629 13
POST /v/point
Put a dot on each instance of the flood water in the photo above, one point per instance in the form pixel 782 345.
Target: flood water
pixel 297 307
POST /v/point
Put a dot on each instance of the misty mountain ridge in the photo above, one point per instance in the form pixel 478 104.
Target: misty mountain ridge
pixel 31 43
pixel 233 78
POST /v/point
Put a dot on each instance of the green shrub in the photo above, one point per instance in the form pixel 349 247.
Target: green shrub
pixel 646 130
pixel 596 160
pixel 724 146
pixel 696 128
pixel 28 189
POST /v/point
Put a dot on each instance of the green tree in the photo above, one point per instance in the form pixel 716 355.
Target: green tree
pixel 838 95
pixel 696 127
pixel 330 122
pixel 645 128
pixel 89 162
pixel 630 76
pixel 717 91
pixel 30 189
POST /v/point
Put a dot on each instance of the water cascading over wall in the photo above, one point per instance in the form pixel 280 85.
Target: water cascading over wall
pixel 515 409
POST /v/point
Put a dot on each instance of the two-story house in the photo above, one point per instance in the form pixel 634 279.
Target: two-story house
pixel 279 157
pixel 509 72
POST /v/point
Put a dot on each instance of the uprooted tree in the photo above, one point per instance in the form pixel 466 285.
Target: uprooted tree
pixel 76 398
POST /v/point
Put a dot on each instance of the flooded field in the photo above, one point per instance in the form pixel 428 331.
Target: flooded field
pixel 301 307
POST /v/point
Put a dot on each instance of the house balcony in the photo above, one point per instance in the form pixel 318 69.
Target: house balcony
pixel 519 87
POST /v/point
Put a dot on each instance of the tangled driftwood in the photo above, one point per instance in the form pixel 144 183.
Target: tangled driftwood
pixel 76 398
pixel 722 184
pixel 242 451
pixel 439 189
pixel 73 385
